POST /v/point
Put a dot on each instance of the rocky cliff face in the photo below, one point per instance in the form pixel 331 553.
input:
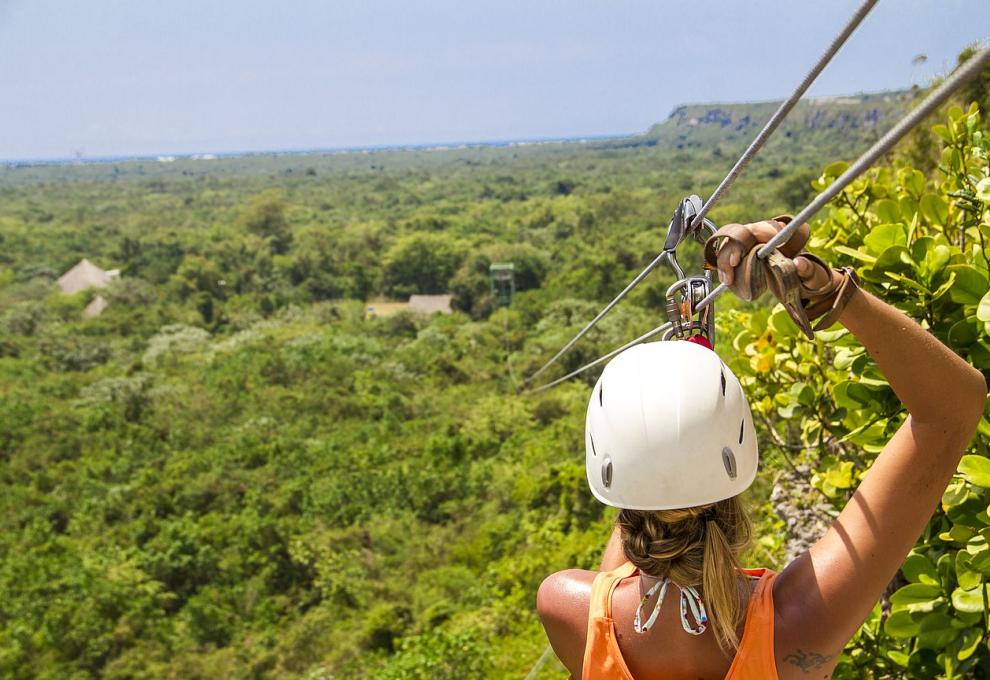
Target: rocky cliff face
pixel 852 117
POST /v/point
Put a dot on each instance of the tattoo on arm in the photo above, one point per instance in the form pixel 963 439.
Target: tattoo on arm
pixel 807 661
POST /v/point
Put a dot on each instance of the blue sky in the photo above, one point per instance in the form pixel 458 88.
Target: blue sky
pixel 119 77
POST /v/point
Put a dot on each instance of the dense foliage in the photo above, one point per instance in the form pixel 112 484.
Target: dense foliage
pixel 234 473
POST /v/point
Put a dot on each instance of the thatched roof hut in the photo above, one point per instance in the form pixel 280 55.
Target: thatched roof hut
pixel 85 275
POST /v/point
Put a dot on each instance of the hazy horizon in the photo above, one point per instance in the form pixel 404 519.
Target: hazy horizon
pixel 427 145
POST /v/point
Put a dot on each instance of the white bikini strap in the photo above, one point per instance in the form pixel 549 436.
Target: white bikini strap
pixel 691 598
pixel 642 628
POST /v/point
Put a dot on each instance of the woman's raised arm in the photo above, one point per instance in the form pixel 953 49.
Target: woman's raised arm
pixel 824 595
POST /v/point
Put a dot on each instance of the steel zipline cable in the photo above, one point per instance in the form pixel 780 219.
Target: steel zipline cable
pixel 784 109
pixel 747 155
pixel 643 338
pixel 608 308
pixel 863 163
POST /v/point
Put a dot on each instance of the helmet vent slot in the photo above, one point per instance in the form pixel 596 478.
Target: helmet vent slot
pixel 723 382
pixel 607 473
pixel 594 451
pixel 601 395
pixel 729 460
pixel 742 426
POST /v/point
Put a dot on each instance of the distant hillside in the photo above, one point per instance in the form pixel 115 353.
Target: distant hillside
pixel 821 122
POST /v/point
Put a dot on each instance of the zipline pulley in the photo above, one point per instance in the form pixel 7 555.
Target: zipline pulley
pixel 684 295
pixel 685 319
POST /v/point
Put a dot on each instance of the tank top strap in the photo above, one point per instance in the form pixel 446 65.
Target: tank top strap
pixel 755 657
pixel 602 588
pixel 600 662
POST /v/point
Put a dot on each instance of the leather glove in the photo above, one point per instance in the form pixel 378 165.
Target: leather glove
pixel 807 287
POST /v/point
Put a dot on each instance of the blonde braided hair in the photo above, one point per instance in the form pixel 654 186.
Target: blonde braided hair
pixel 697 547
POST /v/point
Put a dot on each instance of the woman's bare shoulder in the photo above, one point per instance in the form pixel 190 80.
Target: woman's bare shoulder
pixel 567 585
pixel 563 602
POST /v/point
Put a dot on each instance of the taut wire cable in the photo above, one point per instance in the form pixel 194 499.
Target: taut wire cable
pixel 937 97
pixel 747 155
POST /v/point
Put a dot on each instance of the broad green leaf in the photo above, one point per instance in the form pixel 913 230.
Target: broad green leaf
pixel 967 576
pixel 870 434
pixel 936 631
pixel 894 259
pixel 952 159
pixel 742 339
pixel 884 236
pixel 876 384
pixel 983 189
pixel 803 393
pixel 900 658
pixel 830 337
pixel 969 600
pixel 855 253
pixel 845 356
pixel 943 132
pixel 841 476
pixel 979 354
pixel 887 210
pixel 956 493
pixel 919 569
pixel 960 533
pixel 970 284
pixel 914 594
pixel 962 334
pixel 781 324
pixel 909 208
pixel 977 545
pixel 934 209
pixel 968 644
pixel 976 470
pixel 913 181
pixel 906 280
pixel 931 254
pixel 979 555
pixel 983 310
pixel 967 514
pixel 852 394
pixel 835 169
pixel 902 624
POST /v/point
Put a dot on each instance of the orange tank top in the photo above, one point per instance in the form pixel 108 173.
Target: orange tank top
pixel 754 660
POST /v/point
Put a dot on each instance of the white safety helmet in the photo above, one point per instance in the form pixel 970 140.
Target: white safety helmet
pixel 668 427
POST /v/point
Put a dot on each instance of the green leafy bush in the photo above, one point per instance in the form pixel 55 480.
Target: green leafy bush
pixel 921 243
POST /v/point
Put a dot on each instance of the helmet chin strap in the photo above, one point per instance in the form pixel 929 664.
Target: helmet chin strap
pixel 690 599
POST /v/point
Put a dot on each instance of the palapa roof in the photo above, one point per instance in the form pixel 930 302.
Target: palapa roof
pixel 85 275
pixel 430 304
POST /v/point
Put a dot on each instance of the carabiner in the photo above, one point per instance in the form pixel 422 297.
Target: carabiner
pixel 680 227
pixel 682 298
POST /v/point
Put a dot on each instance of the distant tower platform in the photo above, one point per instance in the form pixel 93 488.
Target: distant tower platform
pixel 503 279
